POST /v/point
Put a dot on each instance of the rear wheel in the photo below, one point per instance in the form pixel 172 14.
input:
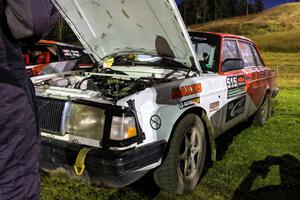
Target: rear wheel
pixel 264 111
pixel 182 168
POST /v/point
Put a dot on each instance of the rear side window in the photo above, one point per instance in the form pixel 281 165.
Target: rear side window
pixel 229 50
pixel 247 54
pixel 258 59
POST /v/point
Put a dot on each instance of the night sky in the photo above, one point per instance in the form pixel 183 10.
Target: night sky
pixel 268 3
pixel 272 3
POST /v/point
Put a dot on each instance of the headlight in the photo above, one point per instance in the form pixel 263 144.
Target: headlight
pixel 123 128
pixel 85 121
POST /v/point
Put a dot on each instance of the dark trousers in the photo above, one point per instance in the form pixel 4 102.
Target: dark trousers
pixel 19 140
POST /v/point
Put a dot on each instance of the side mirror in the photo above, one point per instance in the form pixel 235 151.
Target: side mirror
pixel 232 64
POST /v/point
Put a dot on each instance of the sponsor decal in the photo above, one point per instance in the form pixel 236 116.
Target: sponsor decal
pixel 67 52
pixel 202 38
pixel 214 106
pixel 263 74
pixel 241 80
pixel 71 53
pixel 188 103
pixel 236 86
pixel 235 108
pixel 155 122
pixel 185 91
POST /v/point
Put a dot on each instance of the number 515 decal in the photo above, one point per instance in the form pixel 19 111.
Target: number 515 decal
pixel 236 85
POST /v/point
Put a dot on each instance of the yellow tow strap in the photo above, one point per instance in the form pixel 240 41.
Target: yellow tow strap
pixel 79 166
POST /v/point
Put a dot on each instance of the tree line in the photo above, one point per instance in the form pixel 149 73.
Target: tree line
pixel 202 11
pixel 192 11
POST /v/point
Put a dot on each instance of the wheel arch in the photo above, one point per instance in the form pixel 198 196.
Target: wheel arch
pixel 209 131
pixel 267 92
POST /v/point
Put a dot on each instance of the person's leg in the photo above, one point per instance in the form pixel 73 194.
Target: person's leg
pixel 19 144
pixel 33 156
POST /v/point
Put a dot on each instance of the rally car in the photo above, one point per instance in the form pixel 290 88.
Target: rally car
pixel 159 98
pixel 48 57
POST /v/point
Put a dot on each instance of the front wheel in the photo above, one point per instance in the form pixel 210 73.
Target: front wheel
pixel 182 168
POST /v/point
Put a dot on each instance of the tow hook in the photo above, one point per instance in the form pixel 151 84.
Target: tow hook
pixel 79 166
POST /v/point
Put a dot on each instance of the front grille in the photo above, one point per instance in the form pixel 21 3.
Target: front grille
pixel 51 113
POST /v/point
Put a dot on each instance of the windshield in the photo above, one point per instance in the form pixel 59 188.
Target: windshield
pixel 207 50
pixel 206 54
pixel 136 59
pixel 147 60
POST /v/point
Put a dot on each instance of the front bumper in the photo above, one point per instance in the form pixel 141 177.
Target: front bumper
pixel 112 168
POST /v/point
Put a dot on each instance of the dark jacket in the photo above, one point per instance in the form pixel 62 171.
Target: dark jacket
pixel 20 21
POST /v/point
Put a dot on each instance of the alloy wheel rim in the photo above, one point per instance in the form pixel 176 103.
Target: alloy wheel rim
pixel 190 153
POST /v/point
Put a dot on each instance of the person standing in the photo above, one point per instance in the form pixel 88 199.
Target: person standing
pixel 21 21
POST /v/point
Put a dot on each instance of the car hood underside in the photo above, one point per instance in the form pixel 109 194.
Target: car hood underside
pixel 110 27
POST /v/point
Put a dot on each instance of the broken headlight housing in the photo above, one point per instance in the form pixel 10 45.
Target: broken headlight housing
pixel 123 128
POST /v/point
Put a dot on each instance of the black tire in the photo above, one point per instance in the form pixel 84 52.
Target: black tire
pixel 264 111
pixel 271 105
pixel 181 170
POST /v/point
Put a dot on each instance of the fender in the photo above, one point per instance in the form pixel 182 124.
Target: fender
pixel 210 132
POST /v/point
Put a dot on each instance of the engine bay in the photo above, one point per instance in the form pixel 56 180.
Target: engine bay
pixel 110 87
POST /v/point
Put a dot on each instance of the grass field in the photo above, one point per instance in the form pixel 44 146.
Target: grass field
pixel 275 30
pixel 287 66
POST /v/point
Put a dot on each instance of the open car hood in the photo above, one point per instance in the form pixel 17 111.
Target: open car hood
pixel 110 27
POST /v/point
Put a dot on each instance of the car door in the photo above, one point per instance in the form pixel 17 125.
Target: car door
pixel 235 110
pixel 266 75
pixel 255 84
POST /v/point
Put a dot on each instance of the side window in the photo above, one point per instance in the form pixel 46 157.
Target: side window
pixel 40 54
pixel 229 50
pixel 258 59
pixel 247 54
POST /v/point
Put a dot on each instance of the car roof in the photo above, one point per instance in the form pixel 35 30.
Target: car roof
pixel 224 35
